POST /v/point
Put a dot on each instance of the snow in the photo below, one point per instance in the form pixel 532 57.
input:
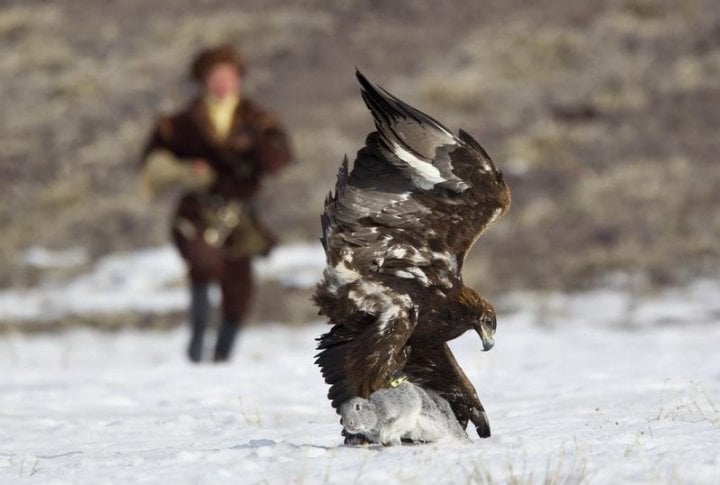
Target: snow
pixel 572 401
pixel 149 280
pixel 133 281
pixel 615 306
pixel 604 386
pixel 45 258
pixel 293 265
pixel 152 281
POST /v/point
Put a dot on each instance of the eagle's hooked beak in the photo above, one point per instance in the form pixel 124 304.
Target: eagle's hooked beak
pixel 485 327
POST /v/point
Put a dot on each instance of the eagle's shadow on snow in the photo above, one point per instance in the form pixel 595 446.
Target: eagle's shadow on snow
pixel 268 443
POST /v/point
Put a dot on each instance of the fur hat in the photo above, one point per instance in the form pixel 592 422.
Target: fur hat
pixel 206 59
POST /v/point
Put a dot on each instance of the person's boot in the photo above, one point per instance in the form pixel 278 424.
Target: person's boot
pixel 199 311
pixel 225 340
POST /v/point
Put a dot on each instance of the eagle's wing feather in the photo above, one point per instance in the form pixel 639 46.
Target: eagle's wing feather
pixel 360 355
pixel 437 369
pixel 416 191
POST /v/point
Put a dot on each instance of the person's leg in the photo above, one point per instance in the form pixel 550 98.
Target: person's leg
pixel 204 265
pixel 225 340
pixel 237 288
pixel 199 313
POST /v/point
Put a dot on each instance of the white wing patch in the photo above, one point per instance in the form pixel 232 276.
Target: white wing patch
pixel 379 300
pixel 341 274
pixel 408 253
pixel 421 168
pixel 413 272
pixel 345 275
pixel 398 252
pixel 447 259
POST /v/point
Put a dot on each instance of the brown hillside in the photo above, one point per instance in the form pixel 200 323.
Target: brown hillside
pixel 605 119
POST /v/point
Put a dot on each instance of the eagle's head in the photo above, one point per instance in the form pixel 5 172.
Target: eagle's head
pixel 481 314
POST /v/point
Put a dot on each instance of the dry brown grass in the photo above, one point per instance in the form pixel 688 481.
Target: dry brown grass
pixel 604 119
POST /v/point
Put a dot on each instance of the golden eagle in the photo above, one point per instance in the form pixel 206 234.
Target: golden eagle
pixel 396 233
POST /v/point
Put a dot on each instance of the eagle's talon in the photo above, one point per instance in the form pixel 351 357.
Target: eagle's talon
pixel 481 422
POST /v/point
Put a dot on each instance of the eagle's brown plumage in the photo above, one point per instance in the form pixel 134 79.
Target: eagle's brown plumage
pixel 396 233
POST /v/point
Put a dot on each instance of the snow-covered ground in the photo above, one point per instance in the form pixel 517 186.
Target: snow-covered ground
pixel 152 281
pixel 573 402
pixel 149 280
pixel 598 387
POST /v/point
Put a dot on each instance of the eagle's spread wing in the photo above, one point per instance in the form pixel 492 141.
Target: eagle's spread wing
pixel 417 199
pixel 437 369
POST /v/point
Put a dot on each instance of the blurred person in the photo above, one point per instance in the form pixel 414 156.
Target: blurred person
pixel 217 150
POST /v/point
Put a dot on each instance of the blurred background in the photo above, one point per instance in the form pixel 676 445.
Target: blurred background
pixel 604 119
